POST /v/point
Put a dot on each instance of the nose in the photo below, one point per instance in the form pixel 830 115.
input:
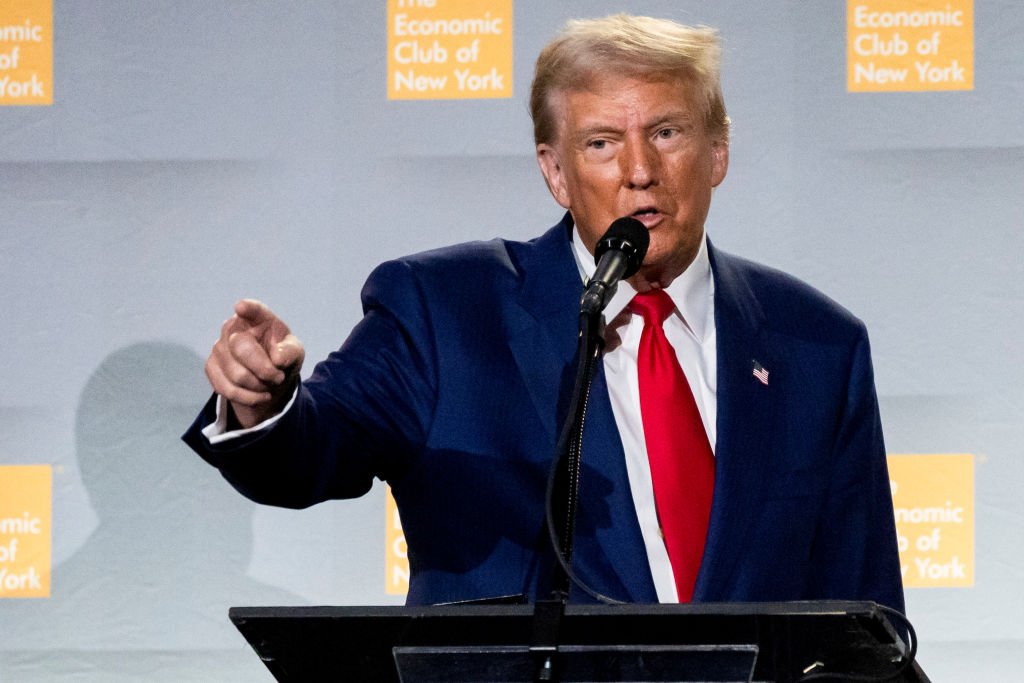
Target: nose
pixel 639 163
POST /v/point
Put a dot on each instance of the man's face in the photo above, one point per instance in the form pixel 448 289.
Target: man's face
pixel 635 147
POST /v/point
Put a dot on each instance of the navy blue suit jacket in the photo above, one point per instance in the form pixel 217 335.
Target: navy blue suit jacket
pixel 452 388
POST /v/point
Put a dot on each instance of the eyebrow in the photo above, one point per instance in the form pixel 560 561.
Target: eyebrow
pixel 676 116
pixel 599 129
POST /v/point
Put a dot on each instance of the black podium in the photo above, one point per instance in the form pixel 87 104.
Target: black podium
pixel 707 642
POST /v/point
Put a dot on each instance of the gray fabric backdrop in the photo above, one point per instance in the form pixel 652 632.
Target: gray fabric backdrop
pixel 197 152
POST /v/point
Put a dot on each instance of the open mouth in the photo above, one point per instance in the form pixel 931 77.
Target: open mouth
pixel 645 215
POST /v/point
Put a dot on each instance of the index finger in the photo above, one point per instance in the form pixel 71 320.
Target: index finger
pixel 253 311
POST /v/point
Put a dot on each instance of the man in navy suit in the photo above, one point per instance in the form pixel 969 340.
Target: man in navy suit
pixel 453 385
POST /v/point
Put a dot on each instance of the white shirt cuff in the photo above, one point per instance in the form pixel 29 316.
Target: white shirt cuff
pixel 217 431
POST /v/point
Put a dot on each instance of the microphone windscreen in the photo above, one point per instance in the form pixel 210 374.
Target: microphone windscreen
pixel 629 236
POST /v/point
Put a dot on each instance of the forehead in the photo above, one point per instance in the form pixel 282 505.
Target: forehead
pixel 617 100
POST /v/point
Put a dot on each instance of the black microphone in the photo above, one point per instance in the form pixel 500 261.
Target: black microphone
pixel 618 253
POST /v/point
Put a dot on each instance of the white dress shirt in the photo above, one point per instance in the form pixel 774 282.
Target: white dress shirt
pixel 691 331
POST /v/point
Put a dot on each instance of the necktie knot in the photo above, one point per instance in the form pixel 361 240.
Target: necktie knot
pixel 654 306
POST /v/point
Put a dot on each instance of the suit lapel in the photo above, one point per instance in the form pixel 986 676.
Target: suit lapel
pixel 541 327
pixel 542 333
pixel 745 419
pixel 606 509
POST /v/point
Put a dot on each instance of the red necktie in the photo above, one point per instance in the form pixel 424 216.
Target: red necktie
pixel 682 464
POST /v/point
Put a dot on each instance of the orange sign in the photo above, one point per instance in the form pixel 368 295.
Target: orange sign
pixel 26 52
pixel 909 45
pixel 25 510
pixel 449 49
pixel 397 559
pixel 933 498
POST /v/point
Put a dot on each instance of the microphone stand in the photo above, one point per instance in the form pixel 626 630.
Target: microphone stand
pixel 565 479
pixel 619 253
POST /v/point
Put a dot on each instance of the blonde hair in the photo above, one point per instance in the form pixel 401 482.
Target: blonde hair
pixel 632 46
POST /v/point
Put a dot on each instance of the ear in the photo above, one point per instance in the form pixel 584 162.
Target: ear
pixel 719 161
pixel 551 168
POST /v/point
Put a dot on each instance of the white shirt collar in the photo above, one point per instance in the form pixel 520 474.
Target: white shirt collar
pixel 690 292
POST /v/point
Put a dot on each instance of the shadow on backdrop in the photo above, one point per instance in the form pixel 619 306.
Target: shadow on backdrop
pixel 173 542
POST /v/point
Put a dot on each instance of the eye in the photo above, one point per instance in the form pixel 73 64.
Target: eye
pixel 597 144
pixel 666 133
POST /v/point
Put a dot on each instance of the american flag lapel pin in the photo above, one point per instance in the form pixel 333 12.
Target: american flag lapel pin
pixel 760 373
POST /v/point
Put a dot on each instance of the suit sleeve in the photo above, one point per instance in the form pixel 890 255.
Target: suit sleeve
pixel 855 548
pixel 363 413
